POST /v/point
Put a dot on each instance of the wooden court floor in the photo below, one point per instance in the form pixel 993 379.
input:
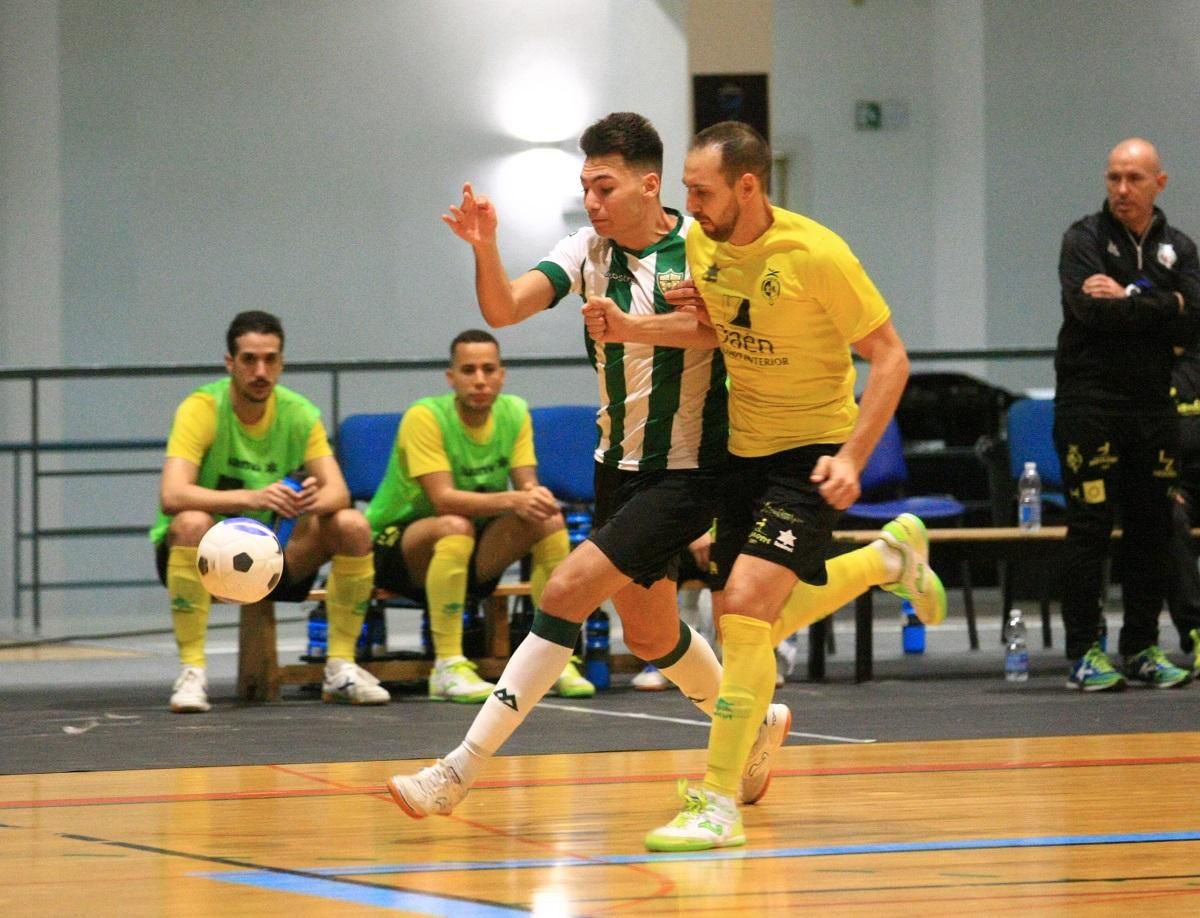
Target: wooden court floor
pixel 1092 825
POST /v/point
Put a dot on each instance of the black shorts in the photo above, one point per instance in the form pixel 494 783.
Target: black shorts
pixel 392 574
pixel 770 509
pixel 286 590
pixel 643 520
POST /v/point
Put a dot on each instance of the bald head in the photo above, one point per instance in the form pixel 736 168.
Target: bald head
pixel 1134 178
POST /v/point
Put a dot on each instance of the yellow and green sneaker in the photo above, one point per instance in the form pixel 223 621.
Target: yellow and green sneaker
pixel 572 684
pixel 707 820
pixel 1194 634
pixel 1151 667
pixel 917 582
pixel 1094 672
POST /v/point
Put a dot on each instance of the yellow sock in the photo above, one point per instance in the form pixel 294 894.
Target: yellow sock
pixel 190 603
pixel 849 575
pixel 747 686
pixel 446 590
pixel 347 596
pixel 547 555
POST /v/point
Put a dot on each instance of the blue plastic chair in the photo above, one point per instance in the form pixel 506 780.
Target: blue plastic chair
pixel 1031 439
pixel 565 438
pixel 886 473
pixel 364 444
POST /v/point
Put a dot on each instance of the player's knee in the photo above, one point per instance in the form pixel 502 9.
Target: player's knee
pixel 188 527
pixel 453 524
pixel 352 533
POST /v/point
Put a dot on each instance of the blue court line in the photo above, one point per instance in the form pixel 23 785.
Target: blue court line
pixel 398 900
pixel 453 908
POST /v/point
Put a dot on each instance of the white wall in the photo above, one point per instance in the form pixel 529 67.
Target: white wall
pixel 1065 82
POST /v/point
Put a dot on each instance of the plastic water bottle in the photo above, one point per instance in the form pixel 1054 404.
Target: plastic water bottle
pixel 1029 501
pixel 283 525
pixel 912 631
pixel 579 526
pixel 318 634
pixel 596 653
pixel 1016 650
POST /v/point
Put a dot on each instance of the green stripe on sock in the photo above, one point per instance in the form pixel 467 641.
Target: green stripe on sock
pixel 685 641
pixel 555 630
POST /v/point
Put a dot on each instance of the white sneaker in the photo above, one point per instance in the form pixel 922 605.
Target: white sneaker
pixel 786 656
pixel 190 695
pixel 436 789
pixel 455 679
pixel 756 776
pixel 349 683
pixel 650 680
pixel 917 582
pixel 707 820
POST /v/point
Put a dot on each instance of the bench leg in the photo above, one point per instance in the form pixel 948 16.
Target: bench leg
pixel 817 632
pixel 495 627
pixel 864 637
pixel 258 661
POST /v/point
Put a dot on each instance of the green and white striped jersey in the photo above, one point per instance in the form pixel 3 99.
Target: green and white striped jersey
pixel 660 407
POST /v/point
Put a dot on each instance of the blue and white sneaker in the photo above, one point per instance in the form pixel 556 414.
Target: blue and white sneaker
pixel 1151 667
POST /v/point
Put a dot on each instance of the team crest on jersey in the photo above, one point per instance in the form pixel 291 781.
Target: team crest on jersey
pixel 710 273
pixel 1166 255
pixel 669 280
pixel 771 287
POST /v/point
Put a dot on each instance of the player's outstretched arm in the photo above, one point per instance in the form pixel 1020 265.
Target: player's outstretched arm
pixel 608 324
pixel 180 490
pixel 501 301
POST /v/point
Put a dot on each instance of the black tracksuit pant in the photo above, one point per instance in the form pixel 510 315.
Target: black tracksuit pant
pixel 1130 461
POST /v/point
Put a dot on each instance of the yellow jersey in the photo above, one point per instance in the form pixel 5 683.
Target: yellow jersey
pixel 786 309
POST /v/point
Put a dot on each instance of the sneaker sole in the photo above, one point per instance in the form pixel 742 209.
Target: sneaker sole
pixel 463 699
pixel 787 728
pixel 1112 686
pixel 398 796
pixel 331 698
pixel 190 708
pixel 651 688
pixel 676 845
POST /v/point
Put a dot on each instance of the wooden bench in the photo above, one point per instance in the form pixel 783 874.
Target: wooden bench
pixel 260 675
pixel 947 547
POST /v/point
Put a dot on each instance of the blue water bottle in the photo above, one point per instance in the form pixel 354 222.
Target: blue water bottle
pixel 579 526
pixel 912 631
pixel 283 525
pixel 596 652
pixel 318 634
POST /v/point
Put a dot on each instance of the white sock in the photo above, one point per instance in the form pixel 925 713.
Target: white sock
pixel 697 674
pixel 531 672
pixel 892 559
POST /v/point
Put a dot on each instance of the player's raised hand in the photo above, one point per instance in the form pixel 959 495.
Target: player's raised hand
pixel 474 220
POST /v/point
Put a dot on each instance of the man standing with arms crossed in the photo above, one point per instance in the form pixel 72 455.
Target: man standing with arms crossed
pixel 662 426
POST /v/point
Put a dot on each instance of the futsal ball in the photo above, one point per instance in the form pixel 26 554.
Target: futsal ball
pixel 239 560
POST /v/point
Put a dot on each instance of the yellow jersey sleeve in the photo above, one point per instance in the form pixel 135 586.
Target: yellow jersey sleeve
pixel 523 453
pixel 318 443
pixel 851 300
pixel 194 429
pixel 420 442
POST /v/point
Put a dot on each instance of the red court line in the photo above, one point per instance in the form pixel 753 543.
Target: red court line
pixel 334 790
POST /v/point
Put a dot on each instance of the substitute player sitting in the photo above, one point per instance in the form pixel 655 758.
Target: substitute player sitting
pixel 445 522
pixel 231 444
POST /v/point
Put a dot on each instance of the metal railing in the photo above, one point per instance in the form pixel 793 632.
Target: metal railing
pixel 34 448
